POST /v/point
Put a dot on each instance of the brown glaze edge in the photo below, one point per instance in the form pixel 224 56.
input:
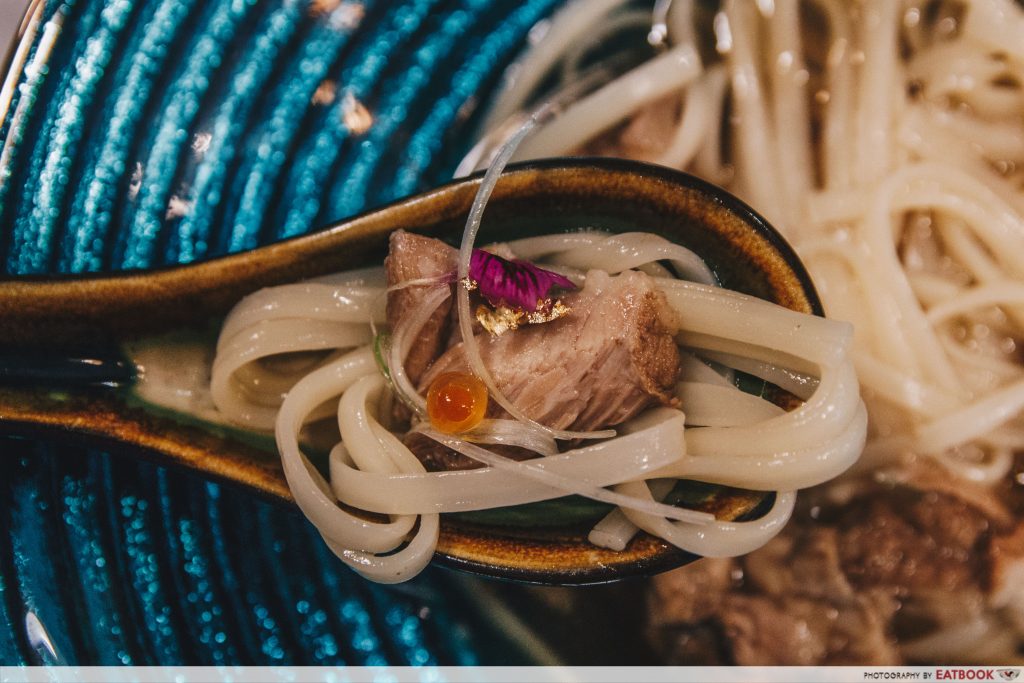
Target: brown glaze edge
pixel 57 310
pixel 106 422
pixel 312 254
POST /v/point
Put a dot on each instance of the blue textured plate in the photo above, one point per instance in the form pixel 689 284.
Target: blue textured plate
pixel 139 133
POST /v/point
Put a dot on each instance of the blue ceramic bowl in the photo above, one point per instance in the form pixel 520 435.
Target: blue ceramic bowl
pixel 138 133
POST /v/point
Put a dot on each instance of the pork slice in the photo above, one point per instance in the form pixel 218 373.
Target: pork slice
pixel 911 542
pixel 929 479
pixel 611 357
pixel 681 606
pixel 787 611
pixel 690 594
pixel 796 631
pixel 414 257
pixel 803 561
pixel 699 644
pixel 1005 580
pixel 792 611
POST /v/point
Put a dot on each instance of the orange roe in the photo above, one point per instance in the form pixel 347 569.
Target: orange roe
pixel 456 402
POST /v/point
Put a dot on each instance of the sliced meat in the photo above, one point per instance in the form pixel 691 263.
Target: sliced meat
pixel 690 594
pixel 804 562
pixel 1005 581
pixel 785 604
pixel 795 631
pixel 927 478
pixel 893 562
pixel 911 541
pixel 414 257
pixel 610 358
pixel 701 644
pixel 681 605
pixel 598 366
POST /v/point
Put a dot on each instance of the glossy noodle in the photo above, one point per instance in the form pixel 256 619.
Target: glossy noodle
pixel 886 141
pixel 292 356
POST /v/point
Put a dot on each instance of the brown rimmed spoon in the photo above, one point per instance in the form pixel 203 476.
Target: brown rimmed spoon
pixel 63 374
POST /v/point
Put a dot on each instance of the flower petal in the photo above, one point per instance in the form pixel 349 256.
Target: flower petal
pixel 513 283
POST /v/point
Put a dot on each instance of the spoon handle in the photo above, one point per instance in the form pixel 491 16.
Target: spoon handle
pixel 72 313
pixel 65 372
pixel 61 313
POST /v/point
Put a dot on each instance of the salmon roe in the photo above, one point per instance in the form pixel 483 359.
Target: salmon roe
pixel 456 402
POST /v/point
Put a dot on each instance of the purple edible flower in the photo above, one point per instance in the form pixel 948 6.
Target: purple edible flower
pixel 517 284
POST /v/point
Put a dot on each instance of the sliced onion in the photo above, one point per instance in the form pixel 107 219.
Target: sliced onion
pixel 512 433
pixel 471 348
pixel 403 337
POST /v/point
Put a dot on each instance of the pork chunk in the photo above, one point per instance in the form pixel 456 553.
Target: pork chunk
pixel 607 360
pixel 796 631
pixel 690 594
pixel 414 257
pixel 911 542
pixel 598 366
pixel 805 564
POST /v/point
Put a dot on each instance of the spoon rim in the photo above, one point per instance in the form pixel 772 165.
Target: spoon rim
pixel 454 198
pixel 714 192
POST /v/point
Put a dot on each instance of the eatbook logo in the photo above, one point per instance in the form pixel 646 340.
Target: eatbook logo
pixel 977 674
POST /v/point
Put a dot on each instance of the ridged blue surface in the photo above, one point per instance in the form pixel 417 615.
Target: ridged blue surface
pixel 164 131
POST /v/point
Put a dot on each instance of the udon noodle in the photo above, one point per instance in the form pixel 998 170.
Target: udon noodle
pixel 886 141
pixel 264 377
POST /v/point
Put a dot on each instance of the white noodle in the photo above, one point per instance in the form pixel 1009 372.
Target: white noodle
pixel 405 337
pixel 607 106
pixel 531 469
pixel 512 433
pixel 465 320
pixel 574 21
pixel 618 253
pixel 652 441
pixel 722 539
pixel 615 530
pixel 912 123
pixel 711 405
pixel 372 470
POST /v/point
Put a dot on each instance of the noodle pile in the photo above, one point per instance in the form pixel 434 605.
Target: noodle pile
pixel 885 140
pixel 301 359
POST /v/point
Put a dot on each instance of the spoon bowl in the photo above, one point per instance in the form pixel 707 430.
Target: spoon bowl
pixel 64 374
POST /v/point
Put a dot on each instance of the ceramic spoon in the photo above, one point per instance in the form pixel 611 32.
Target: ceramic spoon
pixel 70 345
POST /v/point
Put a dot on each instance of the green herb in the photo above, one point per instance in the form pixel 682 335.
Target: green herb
pixel 381 343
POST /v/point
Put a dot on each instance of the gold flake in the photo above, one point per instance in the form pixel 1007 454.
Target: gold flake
pixel 501 319
pixel 547 311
